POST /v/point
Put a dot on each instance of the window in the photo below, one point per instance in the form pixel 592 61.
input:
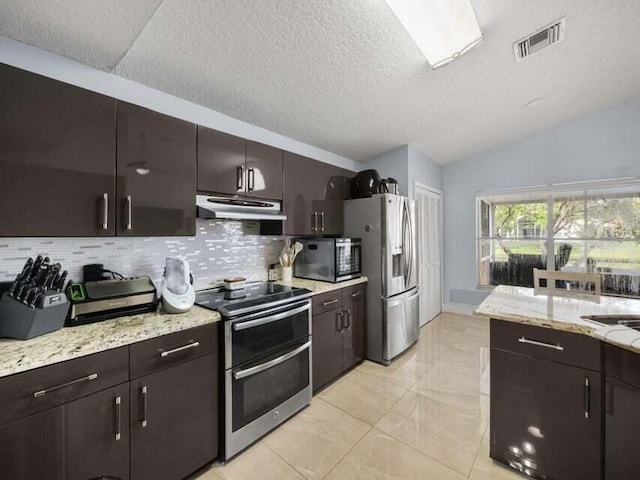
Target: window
pixel 589 229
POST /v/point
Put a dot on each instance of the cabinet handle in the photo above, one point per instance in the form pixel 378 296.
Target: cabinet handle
pixel 608 397
pixel 251 179
pixel 42 393
pixel 105 211
pixel 239 177
pixel 322 221
pixel 143 403
pixel 330 302
pixel 348 320
pixel 339 316
pixel 192 344
pixel 587 398
pixel 129 213
pixel 314 227
pixel 556 346
pixel 118 409
pixel 357 294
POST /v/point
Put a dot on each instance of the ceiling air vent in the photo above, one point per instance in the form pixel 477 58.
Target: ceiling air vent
pixel 543 38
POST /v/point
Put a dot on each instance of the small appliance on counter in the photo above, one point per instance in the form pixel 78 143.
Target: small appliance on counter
pixel 234 283
pixel 95 301
pixel 329 259
pixel 178 295
pixel 34 303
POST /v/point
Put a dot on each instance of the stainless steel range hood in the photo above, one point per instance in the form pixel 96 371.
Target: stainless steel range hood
pixel 237 208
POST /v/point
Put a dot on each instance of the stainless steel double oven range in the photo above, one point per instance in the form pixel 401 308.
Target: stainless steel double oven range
pixel 267 358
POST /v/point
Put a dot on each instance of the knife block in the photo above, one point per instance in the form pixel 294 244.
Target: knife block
pixel 22 322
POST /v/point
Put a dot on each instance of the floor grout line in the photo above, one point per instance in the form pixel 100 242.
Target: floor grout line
pixel 475 459
pixel 343 456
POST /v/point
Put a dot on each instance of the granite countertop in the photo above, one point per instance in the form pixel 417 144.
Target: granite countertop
pixel 521 305
pixel 318 287
pixel 69 343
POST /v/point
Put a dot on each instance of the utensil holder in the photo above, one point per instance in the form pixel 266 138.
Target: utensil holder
pixel 287 274
pixel 22 322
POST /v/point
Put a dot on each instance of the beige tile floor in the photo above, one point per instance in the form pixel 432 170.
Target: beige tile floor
pixel 424 417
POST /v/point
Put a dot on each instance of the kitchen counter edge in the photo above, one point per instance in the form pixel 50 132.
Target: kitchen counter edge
pixel 17 356
pixel 521 305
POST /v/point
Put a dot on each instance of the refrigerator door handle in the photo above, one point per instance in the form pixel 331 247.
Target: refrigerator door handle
pixel 404 243
pixel 406 249
pixel 411 242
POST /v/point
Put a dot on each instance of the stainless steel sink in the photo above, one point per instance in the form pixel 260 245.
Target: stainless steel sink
pixel 628 320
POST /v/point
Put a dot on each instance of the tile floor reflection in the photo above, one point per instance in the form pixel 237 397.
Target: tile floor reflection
pixel 425 416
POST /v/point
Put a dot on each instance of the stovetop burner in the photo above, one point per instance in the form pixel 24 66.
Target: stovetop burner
pixel 255 296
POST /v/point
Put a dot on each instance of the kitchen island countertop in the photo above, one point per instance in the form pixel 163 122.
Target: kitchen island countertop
pixel 521 305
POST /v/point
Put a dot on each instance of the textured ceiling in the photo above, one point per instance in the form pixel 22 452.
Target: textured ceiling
pixel 95 32
pixel 344 75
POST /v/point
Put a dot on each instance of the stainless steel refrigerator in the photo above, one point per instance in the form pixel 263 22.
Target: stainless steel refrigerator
pixel 386 224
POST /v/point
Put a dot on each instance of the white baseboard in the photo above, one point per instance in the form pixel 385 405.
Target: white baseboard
pixel 459 308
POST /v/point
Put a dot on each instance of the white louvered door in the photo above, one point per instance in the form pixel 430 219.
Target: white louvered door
pixel 429 206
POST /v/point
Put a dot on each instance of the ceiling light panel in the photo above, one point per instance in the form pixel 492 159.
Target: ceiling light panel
pixel 442 29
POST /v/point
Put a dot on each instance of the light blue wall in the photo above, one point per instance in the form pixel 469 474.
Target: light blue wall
pixel 407 165
pixel 423 170
pixel 598 146
pixel 66 70
pixel 395 164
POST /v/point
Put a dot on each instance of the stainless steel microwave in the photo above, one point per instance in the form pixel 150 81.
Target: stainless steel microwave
pixel 329 259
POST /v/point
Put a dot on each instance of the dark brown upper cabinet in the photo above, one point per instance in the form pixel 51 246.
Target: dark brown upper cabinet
pixel 221 159
pixel 57 158
pixel 156 173
pixel 313 196
pixel 234 166
pixel 263 171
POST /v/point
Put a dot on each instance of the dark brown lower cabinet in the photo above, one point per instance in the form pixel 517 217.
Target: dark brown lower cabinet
pixel 174 428
pixel 354 334
pixel 339 335
pixel 622 413
pixel 97 435
pixel 33 447
pixel 622 430
pixel 327 347
pixel 546 417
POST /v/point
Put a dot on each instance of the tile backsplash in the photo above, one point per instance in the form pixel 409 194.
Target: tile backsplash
pixel 220 249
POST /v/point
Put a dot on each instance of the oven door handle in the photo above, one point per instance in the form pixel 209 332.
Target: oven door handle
pixel 272 363
pixel 272 318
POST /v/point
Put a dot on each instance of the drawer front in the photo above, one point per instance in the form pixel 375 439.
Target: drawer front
pixel 326 301
pixel 36 390
pixel 161 352
pixel 569 348
pixel 622 364
pixel 354 293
